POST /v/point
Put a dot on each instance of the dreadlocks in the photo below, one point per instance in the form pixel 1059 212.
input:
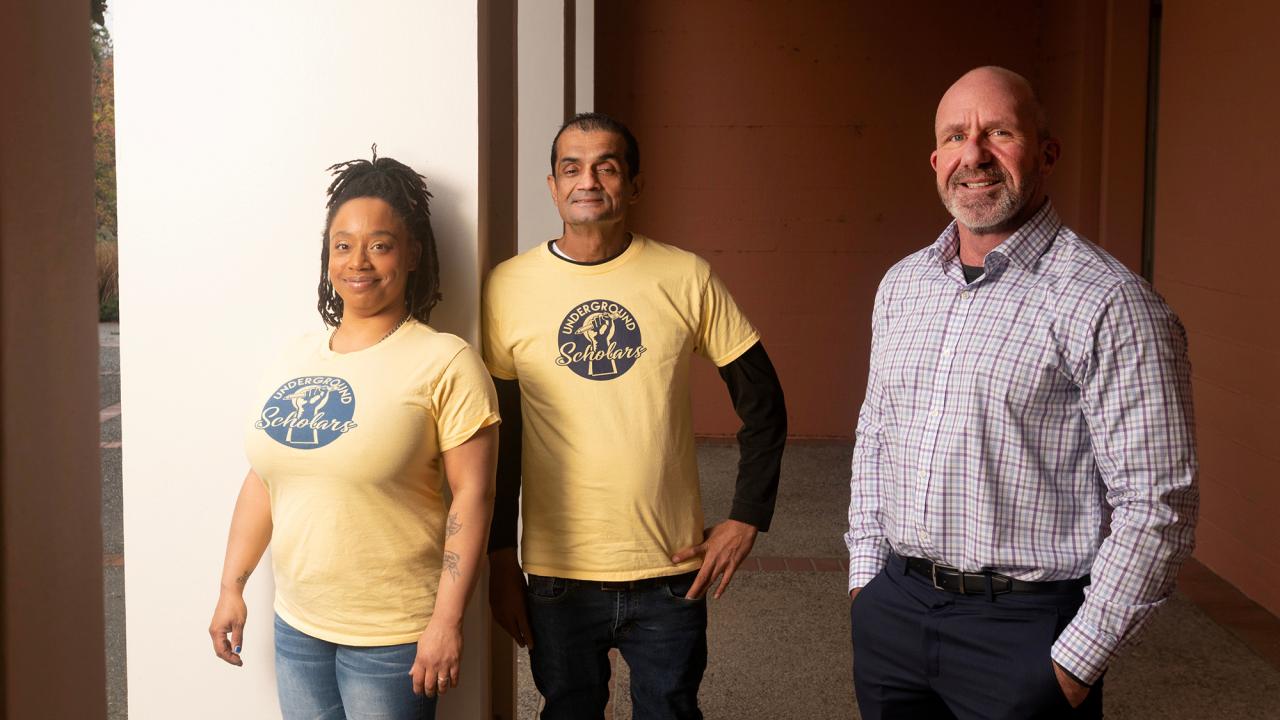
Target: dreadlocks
pixel 403 189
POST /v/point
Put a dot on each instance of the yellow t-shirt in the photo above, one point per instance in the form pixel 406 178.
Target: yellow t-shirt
pixel 602 355
pixel 348 446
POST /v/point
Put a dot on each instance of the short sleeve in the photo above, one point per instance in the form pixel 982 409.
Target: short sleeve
pixel 464 400
pixel 497 349
pixel 724 332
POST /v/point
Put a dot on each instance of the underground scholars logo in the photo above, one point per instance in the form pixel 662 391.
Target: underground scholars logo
pixel 309 412
pixel 599 340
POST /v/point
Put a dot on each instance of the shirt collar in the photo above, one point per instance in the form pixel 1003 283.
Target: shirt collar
pixel 1022 248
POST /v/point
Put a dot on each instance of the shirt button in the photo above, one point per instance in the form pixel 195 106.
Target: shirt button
pixel 946 352
pixel 922 474
pixel 934 413
pixel 924 536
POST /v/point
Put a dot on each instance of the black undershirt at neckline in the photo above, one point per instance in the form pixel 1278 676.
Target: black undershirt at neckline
pixel 551 248
pixel 972 272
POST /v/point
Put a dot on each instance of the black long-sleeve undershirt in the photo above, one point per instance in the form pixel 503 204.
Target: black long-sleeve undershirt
pixel 758 401
pixel 506 501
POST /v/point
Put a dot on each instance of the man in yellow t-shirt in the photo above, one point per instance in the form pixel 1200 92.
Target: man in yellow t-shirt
pixel 590 338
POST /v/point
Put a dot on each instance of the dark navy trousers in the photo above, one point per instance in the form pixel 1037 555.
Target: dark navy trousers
pixel 923 653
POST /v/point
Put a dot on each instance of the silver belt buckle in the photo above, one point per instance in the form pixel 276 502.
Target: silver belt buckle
pixel 934 576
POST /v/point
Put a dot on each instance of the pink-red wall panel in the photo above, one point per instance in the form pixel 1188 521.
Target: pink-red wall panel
pixel 1215 261
pixel 788 143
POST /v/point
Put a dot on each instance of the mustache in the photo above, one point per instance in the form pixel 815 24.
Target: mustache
pixel 992 175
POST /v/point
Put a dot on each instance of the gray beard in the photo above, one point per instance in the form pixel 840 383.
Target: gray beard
pixel 989 217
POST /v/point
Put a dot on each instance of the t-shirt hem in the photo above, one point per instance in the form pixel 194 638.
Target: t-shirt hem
pixel 500 374
pixel 737 351
pixel 341 638
pixel 613 575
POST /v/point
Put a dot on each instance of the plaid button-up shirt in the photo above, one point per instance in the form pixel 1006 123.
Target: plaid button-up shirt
pixel 1035 422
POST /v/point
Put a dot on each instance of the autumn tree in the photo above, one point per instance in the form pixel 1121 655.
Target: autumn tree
pixel 104 160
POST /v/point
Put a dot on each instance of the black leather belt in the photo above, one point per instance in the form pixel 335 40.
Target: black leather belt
pixel 945 577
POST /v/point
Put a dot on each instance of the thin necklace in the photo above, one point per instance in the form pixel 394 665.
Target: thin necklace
pixel 403 320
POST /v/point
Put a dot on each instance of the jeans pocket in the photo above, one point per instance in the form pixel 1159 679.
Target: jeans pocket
pixel 545 589
pixel 677 587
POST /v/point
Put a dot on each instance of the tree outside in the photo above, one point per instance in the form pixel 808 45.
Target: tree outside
pixel 104 179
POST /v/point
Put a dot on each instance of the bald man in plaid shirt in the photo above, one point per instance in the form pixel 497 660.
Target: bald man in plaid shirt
pixel 1024 479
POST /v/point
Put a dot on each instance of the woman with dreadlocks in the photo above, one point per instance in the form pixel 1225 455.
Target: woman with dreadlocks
pixel 360 427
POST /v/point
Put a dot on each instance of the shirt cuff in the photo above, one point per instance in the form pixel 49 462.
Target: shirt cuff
pixel 1084 651
pixel 865 563
pixel 758 515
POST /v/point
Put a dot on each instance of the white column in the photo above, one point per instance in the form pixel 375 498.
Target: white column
pixel 540 103
pixel 584 55
pixel 227 116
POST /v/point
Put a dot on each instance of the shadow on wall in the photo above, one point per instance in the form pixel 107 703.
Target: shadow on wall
pixel 795 158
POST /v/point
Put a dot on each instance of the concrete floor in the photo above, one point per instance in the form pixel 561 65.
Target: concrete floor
pixel 112 517
pixel 778 640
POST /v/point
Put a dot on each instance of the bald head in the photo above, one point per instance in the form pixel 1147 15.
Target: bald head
pixel 990 86
pixel 993 153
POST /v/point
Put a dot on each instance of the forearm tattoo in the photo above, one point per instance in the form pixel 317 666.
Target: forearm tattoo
pixel 454 525
pixel 451 563
pixel 244 578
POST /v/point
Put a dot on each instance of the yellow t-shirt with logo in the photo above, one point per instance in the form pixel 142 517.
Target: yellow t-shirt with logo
pixel 348 446
pixel 602 355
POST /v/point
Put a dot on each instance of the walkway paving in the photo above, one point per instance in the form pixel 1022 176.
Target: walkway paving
pixel 112 516
pixel 779 638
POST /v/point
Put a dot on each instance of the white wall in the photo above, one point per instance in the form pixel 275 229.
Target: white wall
pixel 540 111
pixel 584 54
pixel 540 104
pixel 227 116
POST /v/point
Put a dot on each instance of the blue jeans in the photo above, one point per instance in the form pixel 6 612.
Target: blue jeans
pixel 662 636
pixel 319 680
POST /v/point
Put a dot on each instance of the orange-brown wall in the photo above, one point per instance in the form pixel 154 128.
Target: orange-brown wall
pixel 788 143
pixel 1216 255
pixel 52 656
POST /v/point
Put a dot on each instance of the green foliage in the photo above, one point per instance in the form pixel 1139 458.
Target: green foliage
pixel 108 255
pixel 104 133
pixel 109 311
pixel 104 171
